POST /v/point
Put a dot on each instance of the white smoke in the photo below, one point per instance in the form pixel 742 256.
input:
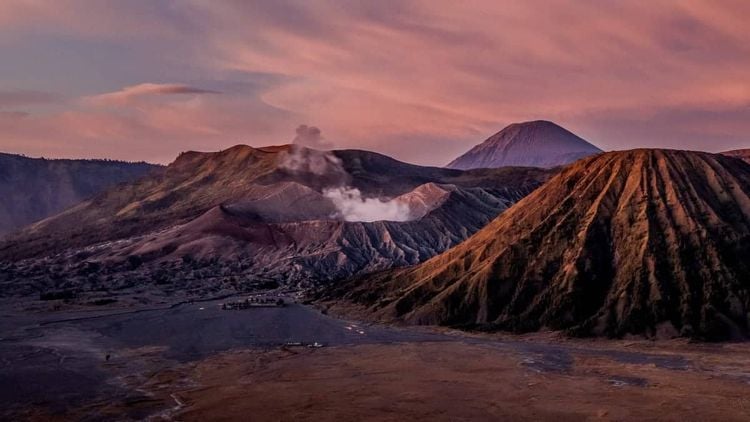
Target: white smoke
pixel 311 137
pixel 305 158
pixel 305 155
pixel 352 206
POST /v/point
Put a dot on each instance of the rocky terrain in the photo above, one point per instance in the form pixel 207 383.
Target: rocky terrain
pixel 651 242
pixel 538 143
pixel 35 188
pixel 248 218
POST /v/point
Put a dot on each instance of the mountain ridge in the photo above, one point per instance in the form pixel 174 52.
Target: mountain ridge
pixel 196 182
pixel 35 188
pixel 644 242
pixel 743 154
pixel 243 217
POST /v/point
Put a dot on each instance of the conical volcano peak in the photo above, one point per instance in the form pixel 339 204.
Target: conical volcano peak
pixel 538 143
pixel 537 125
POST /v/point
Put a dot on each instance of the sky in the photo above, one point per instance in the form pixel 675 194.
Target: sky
pixel 420 80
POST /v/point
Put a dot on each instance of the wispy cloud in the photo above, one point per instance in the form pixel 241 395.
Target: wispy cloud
pixel 130 93
pixel 147 121
pixel 22 98
pixel 399 77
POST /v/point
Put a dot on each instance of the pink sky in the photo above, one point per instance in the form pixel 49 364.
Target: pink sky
pixel 422 81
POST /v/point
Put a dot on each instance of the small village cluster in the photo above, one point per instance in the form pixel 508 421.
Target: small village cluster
pixel 254 302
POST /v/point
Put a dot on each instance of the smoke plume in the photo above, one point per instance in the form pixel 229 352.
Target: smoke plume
pixel 305 156
pixel 352 206
pixel 311 137
pixel 309 156
pixel 305 160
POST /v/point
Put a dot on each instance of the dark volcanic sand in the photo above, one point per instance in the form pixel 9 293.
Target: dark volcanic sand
pixel 199 362
pixel 58 361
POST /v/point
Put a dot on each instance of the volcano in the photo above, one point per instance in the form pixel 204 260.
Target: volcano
pixel 282 214
pixel 279 183
pixel 537 144
pixel 645 242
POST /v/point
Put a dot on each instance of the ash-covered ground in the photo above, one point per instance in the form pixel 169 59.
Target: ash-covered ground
pixel 194 361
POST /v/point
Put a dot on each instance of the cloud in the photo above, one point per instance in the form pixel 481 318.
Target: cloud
pixel 101 19
pixel 20 98
pixel 153 125
pixel 422 80
pixel 442 69
pixel 13 115
pixel 352 206
pixel 130 93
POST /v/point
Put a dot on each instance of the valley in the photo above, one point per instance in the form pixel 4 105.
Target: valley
pixel 194 361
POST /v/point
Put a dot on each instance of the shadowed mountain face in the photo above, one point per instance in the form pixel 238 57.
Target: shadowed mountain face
pixel 536 144
pixel 743 154
pixel 34 188
pixel 648 242
pixel 289 215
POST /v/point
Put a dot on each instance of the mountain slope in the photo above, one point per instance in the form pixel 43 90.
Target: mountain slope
pixel 250 218
pixel 645 242
pixel 743 154
pixel 307 251
pixel 197 182
pixel 36 188
pixel 537 144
